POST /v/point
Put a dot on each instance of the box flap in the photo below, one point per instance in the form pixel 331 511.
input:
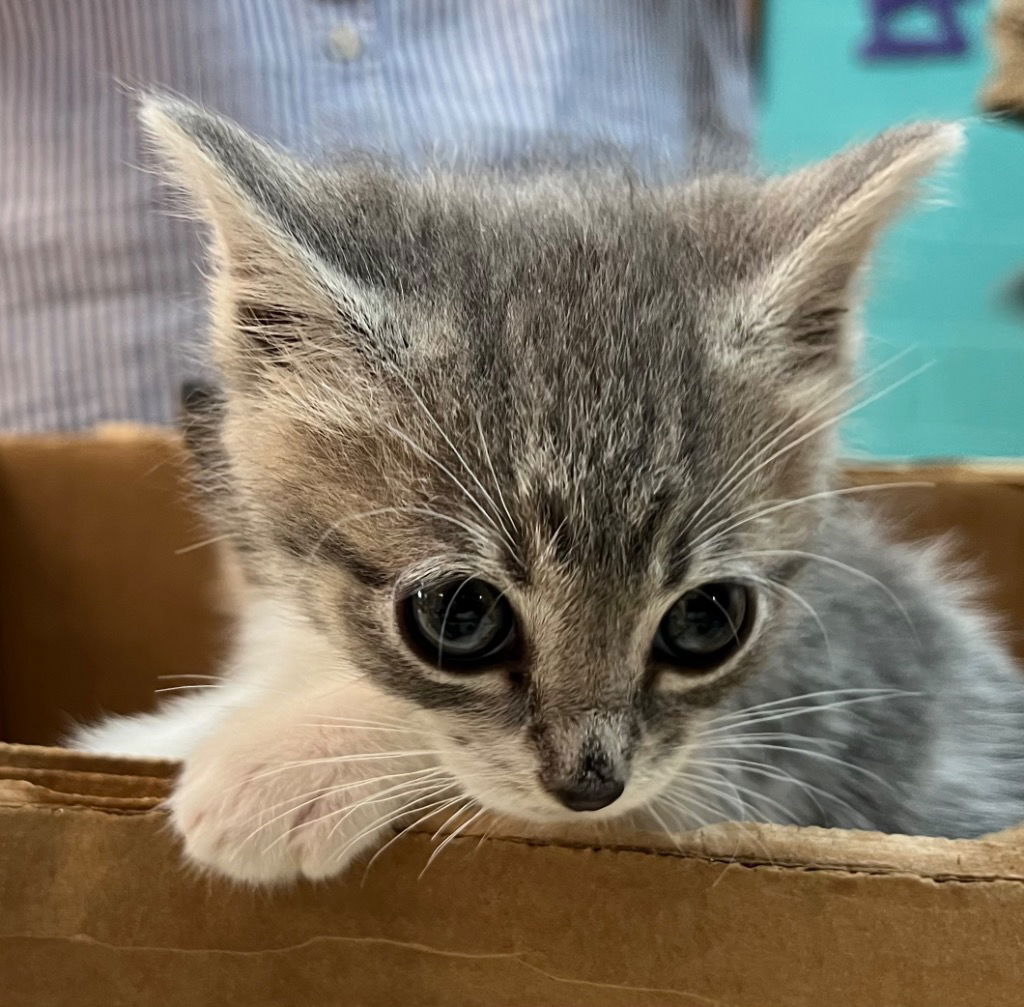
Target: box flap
pixel 97 908
pixel 103 597
pixel 110 587
pixel 99 911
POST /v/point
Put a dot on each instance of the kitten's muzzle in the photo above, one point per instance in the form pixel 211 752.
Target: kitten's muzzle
pixel 584 764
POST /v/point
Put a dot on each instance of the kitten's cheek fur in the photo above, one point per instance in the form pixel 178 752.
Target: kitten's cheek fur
pixel 245 807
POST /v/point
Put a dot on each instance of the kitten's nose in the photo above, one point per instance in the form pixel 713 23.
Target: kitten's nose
pixel 583 763
pixel 590 795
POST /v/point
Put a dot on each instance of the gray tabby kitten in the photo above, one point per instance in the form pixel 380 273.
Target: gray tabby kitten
pixel 532 482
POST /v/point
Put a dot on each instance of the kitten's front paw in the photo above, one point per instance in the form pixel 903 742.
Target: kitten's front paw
pixel 224 828
pixel 267 823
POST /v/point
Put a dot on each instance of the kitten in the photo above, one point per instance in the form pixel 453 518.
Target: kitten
pixel 532 482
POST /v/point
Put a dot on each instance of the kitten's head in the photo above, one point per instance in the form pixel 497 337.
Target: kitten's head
pixel 531 452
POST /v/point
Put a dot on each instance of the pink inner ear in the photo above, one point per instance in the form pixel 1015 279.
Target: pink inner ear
pixel 836 211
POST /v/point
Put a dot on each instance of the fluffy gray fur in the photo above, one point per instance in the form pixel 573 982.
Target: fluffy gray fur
pixel 596 395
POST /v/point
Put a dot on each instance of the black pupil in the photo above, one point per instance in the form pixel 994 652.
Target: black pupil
pixel 461 619
pixel 705 622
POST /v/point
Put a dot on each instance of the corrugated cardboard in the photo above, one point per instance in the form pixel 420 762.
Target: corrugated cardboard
pixel 105 583
pixel 100 595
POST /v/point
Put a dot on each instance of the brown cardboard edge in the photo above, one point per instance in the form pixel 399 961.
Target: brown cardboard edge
pixel 73 761
pixel 104 433
pixel 754 845
pixel 772 847
pixel 102 786
pixel 24 793
pixel 1009 471
pixel 512 926
pixel 81 783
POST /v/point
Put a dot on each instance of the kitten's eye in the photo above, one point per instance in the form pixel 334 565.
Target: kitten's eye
pixel 706 626
pixel 462 624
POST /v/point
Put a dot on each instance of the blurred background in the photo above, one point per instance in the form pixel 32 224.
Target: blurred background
pixel 101 293
pixel 948 284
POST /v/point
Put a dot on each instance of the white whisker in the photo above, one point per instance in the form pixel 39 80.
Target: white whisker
pixel 859 694
pixel 719 814
pixel 494 474
pixel 427 456
pixel 452 836
pixel 748 463
pixel 824 756
pixel 208 678
pixel 406 788
pixel 754 795
pixel 789 592
pixel 669 832
pixel 774 773
pixel 203 544
pixel 458 454
pixel 294 804
pixel 432 810
pixel 385 729
pixel 339 760
pixel 403 792
pixel 474 533
pixel 783 505
pixel 758 462
pixel 188 688
pixel 852 570
pixel 718 742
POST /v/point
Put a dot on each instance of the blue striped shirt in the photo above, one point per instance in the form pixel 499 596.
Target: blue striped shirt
pixel 100 290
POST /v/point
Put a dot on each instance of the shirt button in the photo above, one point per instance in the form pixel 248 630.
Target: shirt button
pixel 344 43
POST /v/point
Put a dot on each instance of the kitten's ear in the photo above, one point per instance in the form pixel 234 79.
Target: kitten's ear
pixel 834 211
pixel 276 298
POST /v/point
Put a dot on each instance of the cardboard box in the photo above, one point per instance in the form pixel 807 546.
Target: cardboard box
pixel 101 594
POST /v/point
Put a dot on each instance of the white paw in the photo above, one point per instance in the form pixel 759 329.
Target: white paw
pixel 262 823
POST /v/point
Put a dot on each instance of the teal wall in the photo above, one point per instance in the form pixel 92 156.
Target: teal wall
pixel 938 286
